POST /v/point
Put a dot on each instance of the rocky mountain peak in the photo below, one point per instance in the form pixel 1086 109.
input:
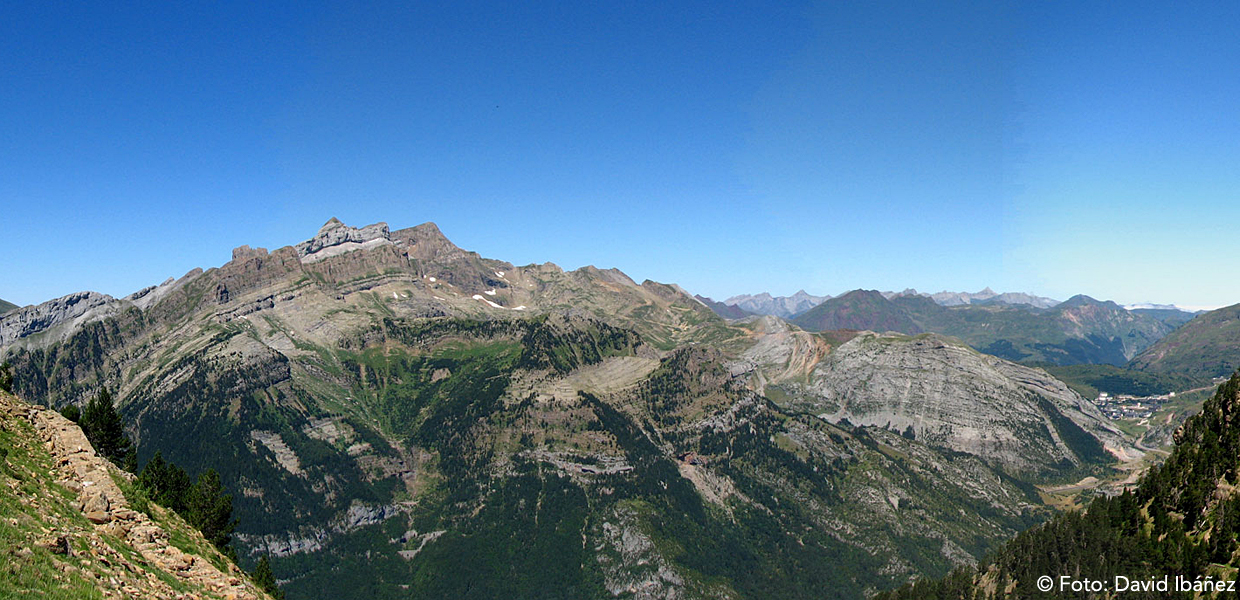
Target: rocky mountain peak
pixel 244 252
pixel 76 308
pixel 1079 300
pixel 336 238
pixel 780 306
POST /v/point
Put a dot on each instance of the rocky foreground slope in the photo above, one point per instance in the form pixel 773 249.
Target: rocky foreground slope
pixel 68 530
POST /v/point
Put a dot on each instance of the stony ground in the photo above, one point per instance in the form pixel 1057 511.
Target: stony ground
pixel 68 530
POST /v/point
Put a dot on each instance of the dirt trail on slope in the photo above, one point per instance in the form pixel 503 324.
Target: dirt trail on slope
pixel 82 471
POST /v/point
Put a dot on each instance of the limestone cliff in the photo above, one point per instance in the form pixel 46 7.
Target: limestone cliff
pixel 942 392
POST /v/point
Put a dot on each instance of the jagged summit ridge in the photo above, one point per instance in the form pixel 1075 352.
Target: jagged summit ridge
pixel 780 306
pixel 985 296
pixel 336 238
pixel 78 307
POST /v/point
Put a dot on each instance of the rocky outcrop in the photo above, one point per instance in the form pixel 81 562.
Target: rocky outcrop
pixel 313 538
pixel 336 238
pixel 632 566
pixel 63 313
pixel 942 392
pixel 119 551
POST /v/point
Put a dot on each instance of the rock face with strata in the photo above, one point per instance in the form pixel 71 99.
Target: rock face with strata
pixel 67 311
pixel 336 238
pixel 292 373
pixel 949 395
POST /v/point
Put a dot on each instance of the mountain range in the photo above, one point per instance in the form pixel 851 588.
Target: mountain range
pixel 788 307
pixel 397 416
pixel 780 306
pixel 6 306
pixel 1079 330
pixel 986 296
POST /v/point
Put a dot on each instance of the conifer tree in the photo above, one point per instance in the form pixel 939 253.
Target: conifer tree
pixel 105 430
pixel 6 377
pixel 210 510
pixel 265 579
pixel 165 483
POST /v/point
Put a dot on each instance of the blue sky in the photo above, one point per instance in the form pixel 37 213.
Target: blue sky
pixel 1055 148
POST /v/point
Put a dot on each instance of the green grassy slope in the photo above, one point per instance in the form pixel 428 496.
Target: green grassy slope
pixel 1207 346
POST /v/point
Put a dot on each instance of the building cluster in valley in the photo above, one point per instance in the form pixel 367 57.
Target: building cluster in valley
pixel 1123 406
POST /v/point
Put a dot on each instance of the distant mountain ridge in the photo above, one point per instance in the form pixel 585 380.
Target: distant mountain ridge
pixel 789 307
pixel 727 311
pixel 1079 330
pixel 1167 313
pixel 779 306
pixel 858 310
pixel 986 296
pixel 1206 346
pixel 6 306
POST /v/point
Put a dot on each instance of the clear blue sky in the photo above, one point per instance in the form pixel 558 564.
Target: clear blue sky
pixel 1055 148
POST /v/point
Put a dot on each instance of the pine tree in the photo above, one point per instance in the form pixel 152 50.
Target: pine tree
pixel 265 579
pixel 165 483
pixel 6 377
pixel 105 430
pixel 210 510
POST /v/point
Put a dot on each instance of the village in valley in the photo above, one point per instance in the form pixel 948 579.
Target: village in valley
pixel 1124 406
